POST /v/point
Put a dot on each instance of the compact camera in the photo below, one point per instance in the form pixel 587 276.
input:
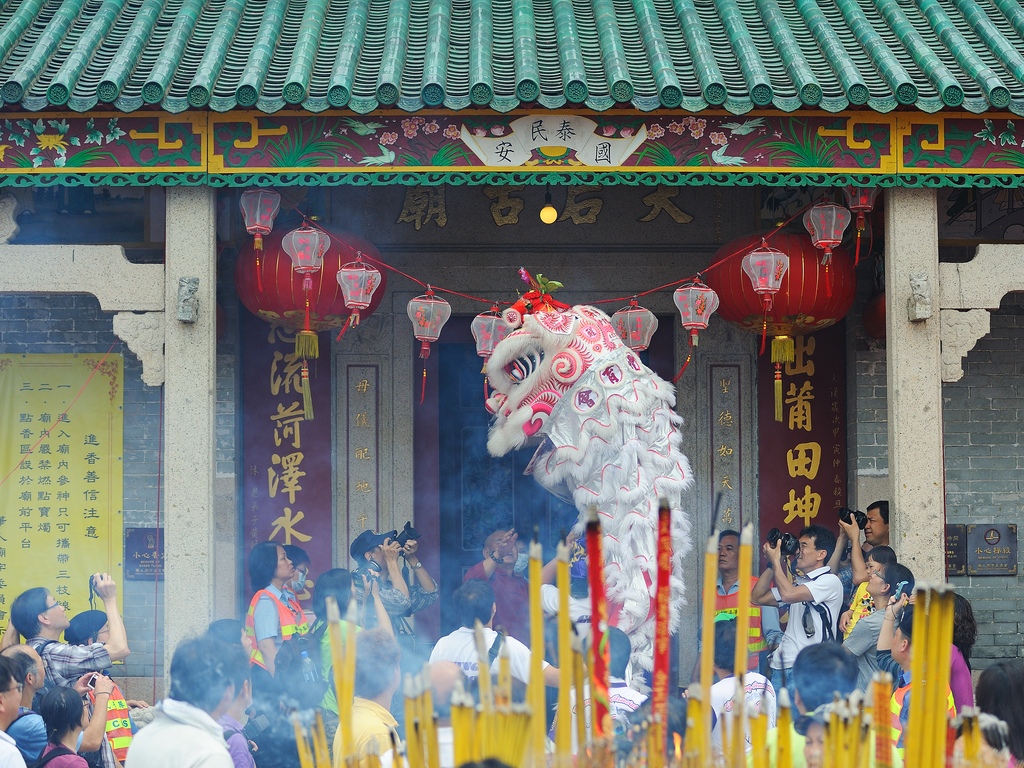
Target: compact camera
pixel 790 543
pixel 849 515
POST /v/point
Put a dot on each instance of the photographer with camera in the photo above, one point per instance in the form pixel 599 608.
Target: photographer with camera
pixel 379 565
pixel 814 597
pixel 875 524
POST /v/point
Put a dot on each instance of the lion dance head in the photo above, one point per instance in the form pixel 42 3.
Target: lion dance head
pixel 607 435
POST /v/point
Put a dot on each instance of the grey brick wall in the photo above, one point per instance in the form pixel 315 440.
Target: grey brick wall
pixel 982 424
pixel 61 324
pixel 983 456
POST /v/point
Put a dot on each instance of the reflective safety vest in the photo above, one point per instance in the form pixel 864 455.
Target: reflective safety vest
pixel 725 605
pixel 896 704
pixel 119 724
pixel 289 615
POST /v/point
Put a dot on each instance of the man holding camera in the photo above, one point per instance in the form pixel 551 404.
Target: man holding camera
pixel 875 524
pixel 379 559
pixel 814 596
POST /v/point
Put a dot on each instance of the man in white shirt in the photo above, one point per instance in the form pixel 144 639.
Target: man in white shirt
pixel 758 693
pixel 10 699
pixel 814 597
pixel 474 601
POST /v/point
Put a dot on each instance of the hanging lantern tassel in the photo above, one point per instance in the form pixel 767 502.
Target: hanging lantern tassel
pixel 686 364
pixel 307 396
pixel 353 319
pixel 828 273
pixel 860 229
pixel 259 267
pixel 423 384
pixel 783 351
pixel 307 345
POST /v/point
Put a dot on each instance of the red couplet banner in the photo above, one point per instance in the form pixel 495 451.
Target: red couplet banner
pixel 803 457
pixel 287 486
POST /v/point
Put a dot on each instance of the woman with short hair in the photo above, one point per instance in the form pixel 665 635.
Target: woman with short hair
pixel 65 719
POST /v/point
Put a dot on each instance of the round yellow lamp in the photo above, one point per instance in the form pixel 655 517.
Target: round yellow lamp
pixel 548 214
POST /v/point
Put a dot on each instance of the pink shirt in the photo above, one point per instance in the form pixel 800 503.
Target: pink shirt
pixel 64 761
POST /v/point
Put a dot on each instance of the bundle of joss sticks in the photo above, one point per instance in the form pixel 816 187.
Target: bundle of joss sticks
pixel 857 731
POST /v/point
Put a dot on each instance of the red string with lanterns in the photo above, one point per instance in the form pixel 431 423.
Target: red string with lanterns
pixel 764 266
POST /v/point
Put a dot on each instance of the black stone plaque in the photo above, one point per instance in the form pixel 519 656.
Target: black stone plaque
pixel 992 549
pixel 143 554
pixel 956 550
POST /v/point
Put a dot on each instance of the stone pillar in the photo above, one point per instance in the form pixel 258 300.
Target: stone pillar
pixel 189 409
pixel 914 382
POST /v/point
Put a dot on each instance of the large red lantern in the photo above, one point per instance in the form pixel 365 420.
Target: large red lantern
pixel 272 290
pixel 803 303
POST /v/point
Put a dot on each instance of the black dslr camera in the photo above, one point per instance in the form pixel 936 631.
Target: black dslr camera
pixel 790 543
pixel 849 515
pixel 406 535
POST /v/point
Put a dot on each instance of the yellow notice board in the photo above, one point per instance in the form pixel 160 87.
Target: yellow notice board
pixel 61 475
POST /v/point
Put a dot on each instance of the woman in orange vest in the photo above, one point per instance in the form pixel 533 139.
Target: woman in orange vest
pixel 273 617
pixel 90 627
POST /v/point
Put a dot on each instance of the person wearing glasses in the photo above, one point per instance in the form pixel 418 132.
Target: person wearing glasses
pixel 814 597
pixel 38 616
pixel 10 699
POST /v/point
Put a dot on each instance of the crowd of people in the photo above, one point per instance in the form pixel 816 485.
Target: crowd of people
pixel 827 613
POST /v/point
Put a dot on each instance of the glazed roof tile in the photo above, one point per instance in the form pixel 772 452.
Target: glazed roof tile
pixel 501 54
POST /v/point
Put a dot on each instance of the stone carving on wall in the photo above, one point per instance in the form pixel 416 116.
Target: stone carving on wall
pixel 144 335
pixel 8 224
pixel 961 330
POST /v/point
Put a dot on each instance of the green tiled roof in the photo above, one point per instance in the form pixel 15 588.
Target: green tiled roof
pixel 501 54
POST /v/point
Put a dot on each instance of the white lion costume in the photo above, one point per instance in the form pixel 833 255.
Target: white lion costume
pixel 610 438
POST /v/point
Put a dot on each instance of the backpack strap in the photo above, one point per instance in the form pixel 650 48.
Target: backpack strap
pixel 828 630
pixel 58 751
pixel 495 649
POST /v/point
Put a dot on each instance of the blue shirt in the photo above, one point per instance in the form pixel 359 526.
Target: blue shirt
pixel 29 733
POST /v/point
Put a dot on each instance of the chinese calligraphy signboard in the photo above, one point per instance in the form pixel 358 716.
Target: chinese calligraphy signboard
pixel 143 554
pixel 956 550
pixel 287 488
pixel 992 549
pixel 362 449
pixel 61 455
pixel 803 457
pixel 725 386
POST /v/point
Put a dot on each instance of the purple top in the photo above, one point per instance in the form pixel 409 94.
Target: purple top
pixel 238 745
pixel 960 681
pixel 64 761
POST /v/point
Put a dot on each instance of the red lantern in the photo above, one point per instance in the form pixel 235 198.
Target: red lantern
pixel 696 303
pixel 488 329
pixel 801 305
pixel 358 283
pixel 259 209
pixel 860 200
pixel 826 223
pixel 269 287
pixel 635 325
pixel 765 267
pixel 428 314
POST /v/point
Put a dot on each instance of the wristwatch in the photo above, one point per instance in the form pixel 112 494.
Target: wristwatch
pixel 416 566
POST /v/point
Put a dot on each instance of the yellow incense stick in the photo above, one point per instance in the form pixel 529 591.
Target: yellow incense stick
pixel 342 680
pixel 915 721
pixel 563 725
pixel 578 676
pixel 535 690
pixel 784 730
pixel 427 715
pixel 743 599
pixel 758 738
pixel 707 654
pixel 305 758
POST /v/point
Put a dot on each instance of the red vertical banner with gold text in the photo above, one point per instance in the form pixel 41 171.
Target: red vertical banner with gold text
pixel 803 457
pixel 288 483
